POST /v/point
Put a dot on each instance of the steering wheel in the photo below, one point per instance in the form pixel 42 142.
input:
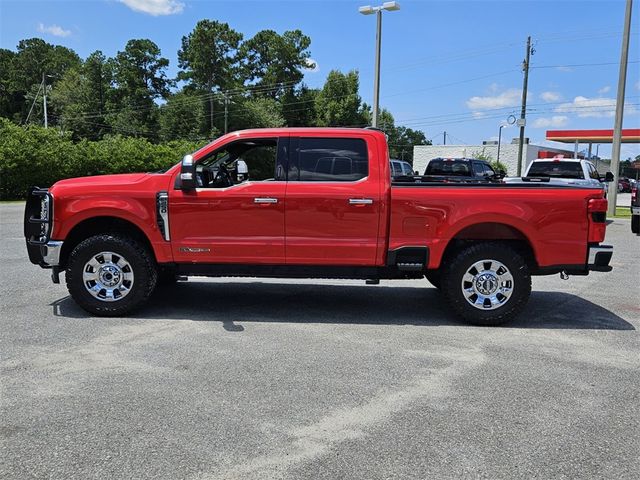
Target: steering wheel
pixel 223 177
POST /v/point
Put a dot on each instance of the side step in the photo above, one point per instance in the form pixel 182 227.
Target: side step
pixel 409 259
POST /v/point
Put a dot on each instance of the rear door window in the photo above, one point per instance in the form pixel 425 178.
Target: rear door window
pixel 329 160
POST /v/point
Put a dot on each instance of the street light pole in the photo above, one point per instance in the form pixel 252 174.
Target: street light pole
pixel 499 141
pixel 369 10
pixel 617 127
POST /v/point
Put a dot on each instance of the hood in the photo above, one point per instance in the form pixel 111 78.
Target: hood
pixel 102 180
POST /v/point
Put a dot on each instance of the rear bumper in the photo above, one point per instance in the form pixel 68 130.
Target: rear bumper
pixel 635 210
pixel 599 258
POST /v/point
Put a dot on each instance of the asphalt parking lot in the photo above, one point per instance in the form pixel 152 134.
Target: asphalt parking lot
pixel 230 378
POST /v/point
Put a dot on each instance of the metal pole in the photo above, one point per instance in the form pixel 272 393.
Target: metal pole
pixel 376 81
pixel 575 150
pixel 499 141
pixel 523 112
pixel 226 111
pixel 445 138
pixel 44 100
pixel 589 155
pixel 617 129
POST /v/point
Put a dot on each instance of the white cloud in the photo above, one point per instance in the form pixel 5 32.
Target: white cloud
pixel 508 98
pixel 638 85
pixel 312 66
pixel 564 69
pixel 555 121
pixel 550 96
pixel 55 30
pixel 155 7
pixel 593 107
pixel 604 89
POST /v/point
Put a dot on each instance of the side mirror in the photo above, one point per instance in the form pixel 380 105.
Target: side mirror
pixel 187 173
pixel 416 172
pixel 608 177
pixel 242 167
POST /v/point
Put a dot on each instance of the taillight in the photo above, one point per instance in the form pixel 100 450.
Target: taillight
pixel 597 212
pixel 634 195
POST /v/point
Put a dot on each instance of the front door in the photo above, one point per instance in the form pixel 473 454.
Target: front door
pixel 233 217
pixel 333 202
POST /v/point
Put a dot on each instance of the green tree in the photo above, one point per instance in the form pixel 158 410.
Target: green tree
pixel 34 58
pixel 140 78
pixel 183 117
pixel 299 106
pixel 338 103
pixel 80 97
pixel 258 112
pixel 269 59
pixel 208 59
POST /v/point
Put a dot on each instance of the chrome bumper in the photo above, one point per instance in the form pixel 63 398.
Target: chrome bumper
pixel 599 258
pixel 51 253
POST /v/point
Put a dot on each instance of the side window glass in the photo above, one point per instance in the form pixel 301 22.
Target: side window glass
pixel 396 169
pixel 488 170
pixel 478 169
pixel 330 160
pixel 407 169
pixel 239 162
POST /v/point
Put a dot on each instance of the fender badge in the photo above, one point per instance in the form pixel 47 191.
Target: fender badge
pixel 194 249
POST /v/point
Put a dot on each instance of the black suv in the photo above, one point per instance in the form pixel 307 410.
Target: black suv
pixel 464 169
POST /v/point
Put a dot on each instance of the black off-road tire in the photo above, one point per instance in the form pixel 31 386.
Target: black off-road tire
pixel 435 278
pixel 138 256
pixel 635 223
pixel 455 269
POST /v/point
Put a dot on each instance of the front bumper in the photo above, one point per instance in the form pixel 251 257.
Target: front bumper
pixel 599 258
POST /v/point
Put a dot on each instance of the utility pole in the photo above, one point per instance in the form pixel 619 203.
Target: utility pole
pixel 44 100
pixel 226 111
pixel 445 138
pixel 617 128
pixel 523 113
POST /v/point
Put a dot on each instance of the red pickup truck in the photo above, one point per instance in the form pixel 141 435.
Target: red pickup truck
pixel 311 203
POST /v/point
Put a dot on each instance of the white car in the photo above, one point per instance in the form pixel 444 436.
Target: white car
pixel 564 171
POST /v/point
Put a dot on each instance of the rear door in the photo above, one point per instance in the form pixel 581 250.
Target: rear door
pixel 333 201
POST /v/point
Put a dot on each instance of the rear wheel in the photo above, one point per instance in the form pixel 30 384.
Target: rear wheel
pixel 487 283
pixel 110 275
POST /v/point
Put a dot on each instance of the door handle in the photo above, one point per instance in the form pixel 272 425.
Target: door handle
pixel 360 201
pixel 265 200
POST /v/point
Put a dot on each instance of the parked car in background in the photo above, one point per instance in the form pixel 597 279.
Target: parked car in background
pixel 462 169
pixel 564 171
pixel 624 185
pixel 635 209
pixel 401 168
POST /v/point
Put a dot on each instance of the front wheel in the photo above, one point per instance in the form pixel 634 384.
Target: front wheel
pixel 487 283
pixel 110 275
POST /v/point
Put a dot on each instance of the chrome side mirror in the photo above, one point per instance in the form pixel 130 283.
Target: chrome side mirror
pixel 187 173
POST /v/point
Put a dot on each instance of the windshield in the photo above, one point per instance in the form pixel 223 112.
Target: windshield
pixel 556 169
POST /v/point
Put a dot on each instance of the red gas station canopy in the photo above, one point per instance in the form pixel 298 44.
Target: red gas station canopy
pixel 629 135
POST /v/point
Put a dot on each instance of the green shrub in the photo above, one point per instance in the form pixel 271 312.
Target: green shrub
pixel 37 156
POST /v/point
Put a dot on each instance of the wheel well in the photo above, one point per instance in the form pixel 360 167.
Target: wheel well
pixel 483 232
pixel 98 225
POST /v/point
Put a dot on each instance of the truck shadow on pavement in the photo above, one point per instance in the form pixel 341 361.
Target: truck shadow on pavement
pixel 235 303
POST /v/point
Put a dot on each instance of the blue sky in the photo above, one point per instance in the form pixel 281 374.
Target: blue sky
pixel 446 65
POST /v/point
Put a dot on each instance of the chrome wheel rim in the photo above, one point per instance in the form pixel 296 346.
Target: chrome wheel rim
pixel 108 276
pixel 487 284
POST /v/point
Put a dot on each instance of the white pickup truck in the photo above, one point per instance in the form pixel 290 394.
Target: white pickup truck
pixel 564 171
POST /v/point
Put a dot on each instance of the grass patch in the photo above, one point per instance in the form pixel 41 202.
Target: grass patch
pixel 622 212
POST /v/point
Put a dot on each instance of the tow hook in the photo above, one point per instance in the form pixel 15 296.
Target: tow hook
pixel 564 275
